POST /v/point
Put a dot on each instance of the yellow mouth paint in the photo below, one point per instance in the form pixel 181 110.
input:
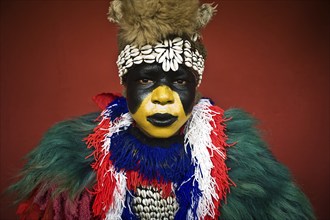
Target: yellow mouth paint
pixel 161 100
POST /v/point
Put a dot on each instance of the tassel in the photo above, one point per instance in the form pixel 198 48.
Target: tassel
pixel 204 134
pixel 110 189
pixel 104 99
pixel 118 197
pixel 134 179
pixel 220 170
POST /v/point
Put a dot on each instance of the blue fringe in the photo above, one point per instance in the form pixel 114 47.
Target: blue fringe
pixel 153 162
pixel 128 213
pixel 116 108
pixel 184 195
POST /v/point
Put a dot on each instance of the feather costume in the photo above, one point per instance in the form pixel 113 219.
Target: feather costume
pixel 100 166
pixel 58 182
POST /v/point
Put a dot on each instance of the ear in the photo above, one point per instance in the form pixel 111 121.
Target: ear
pixel 115 12
pixel 124 92
pixel 198 96
pixel 204 14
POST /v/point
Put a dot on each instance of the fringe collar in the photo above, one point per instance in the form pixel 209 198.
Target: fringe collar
pixel 132 151
pixel 203 181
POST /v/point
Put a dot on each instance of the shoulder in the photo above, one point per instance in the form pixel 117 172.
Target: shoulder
pixel 264 188
pixel 60 159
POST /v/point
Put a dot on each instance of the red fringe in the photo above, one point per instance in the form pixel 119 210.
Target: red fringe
pixel 220 170
pixel 134 179
pixel 104 99
pixel 105 185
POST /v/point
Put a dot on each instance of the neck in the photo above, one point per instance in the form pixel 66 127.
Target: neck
pixel 155 142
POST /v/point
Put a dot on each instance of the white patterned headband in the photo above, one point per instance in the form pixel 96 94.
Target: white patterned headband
pixel 170 53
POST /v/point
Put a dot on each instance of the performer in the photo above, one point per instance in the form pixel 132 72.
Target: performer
pixel 161 151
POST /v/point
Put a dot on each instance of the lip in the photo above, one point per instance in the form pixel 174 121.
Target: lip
pixel 162 120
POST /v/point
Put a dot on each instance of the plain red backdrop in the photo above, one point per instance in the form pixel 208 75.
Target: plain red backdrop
pixel 270 58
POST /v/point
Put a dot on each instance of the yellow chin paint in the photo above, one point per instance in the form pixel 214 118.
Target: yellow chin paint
pixel 164 101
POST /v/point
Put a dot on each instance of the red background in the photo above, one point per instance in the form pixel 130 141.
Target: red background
pixel 270 58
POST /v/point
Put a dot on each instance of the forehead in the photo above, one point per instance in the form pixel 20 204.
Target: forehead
pixel 155 71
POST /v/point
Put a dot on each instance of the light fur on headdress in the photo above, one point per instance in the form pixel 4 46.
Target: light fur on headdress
pixel 144 22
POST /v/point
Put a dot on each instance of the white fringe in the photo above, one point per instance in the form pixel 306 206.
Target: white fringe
pixel 119 195
pixel 197 136
pixel 119 124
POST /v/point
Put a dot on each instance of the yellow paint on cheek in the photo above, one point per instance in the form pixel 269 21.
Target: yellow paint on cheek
pixel 160 100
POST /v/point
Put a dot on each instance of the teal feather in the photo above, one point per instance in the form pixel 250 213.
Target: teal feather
pixel 59 160
pixel 264 187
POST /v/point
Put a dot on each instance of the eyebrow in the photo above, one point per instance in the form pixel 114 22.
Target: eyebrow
pixel 149 70
pixel 152 71
pixel 182 73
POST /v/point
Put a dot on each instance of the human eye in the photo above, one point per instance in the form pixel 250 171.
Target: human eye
pixel 180 82
pixel 145 81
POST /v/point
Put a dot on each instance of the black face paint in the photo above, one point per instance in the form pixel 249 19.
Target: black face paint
pixel 144 78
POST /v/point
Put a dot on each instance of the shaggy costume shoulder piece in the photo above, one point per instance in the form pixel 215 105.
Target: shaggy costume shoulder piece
pixel 56 181
pixel 264 187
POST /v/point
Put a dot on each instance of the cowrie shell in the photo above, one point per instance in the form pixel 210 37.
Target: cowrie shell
pixel 120 62
pixel 160 49
pixel 137 58
pixel 122 54
pixel 137 61
pixel 161 57
pixel 146 47
pixel 188 59
pixel 178 58
pixel 160 45
pixel 188 63
pixel 194 37
pixel 127 47
pixel 170 53
pixel 127 55
pixel 174 65
pixel 147 51
pixel 149 60
pixel 177 49
pixel 187 44
pixel 166 43
pixel 166 65
pixel 129 63
pixel 177 39
pixel 187 53
pixel 135 52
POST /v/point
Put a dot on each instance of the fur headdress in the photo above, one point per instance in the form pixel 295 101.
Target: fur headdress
pixel 148 22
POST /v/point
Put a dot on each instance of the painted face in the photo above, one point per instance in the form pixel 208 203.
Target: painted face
pixel 160 102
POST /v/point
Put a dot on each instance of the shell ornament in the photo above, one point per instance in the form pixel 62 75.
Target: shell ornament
pixel 170 53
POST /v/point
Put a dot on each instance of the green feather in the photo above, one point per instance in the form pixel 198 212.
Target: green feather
pixel 264 187
pixel 60 160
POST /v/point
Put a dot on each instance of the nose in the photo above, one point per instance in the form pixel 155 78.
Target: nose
pixel 162 95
